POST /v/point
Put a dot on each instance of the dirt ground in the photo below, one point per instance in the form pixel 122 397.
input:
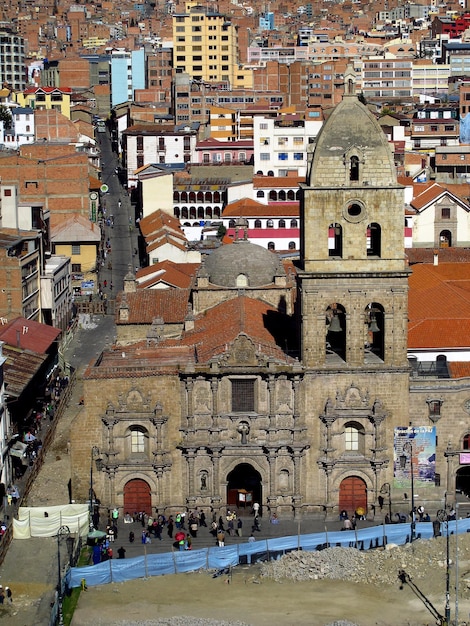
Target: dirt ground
pixel 246 597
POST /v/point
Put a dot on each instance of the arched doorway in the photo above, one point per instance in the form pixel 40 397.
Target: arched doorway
pixel 244 476
pixel 137 497
pixel 462 480
pixel 445 239
pixel 353 495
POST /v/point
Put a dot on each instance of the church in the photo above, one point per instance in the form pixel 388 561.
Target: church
pixel 279 383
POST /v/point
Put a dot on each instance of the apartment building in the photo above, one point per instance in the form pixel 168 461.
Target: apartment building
pixel 127 74
pixel 157 143
pixel 49 98
pixel 435 125
pixel 206 47
pixel 20 269
pixel 56 291
pixel 280 144
pixel 12 60
pixel 386 78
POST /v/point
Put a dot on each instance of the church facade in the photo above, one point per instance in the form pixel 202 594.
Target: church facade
pixel 286 386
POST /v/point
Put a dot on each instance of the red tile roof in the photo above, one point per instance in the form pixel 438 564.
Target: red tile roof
pixel 29 335
pixel 439 306
pixel 147 304
pixel 180 275
pixel 246 207
pixel 426 193
pixel 273 182
pixel 218 327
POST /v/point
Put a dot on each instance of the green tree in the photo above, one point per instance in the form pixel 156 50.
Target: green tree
pixel 5 115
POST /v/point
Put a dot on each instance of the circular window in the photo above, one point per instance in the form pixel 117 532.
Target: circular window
pixel 354 211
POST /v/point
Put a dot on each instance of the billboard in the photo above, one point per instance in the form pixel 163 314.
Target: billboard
pixel 420 442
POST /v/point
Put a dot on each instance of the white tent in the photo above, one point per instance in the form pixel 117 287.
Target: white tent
pixel 45 521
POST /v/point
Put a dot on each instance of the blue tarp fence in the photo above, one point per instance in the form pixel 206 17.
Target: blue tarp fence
pixel 215 558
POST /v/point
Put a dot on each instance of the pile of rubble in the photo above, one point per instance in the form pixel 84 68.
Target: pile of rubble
pixel 423 559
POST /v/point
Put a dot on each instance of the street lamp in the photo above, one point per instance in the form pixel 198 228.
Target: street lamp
pixel 62 533
pixel 386 490
pixel 408 453
pixel 94 453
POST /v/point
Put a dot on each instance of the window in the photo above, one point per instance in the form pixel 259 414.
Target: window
pixel 270 224
pixel 298 156
pixel 281 224
pixel 445 214
pixel 282 156
pixel 291 245
pixel 293 224
pixel 271 245
pixel 243 395
pixel 257 223
pixel 137 441
pixel 434 409
pixel 351 438
pixel 75 249
pixel 466 442
pixel 264 156
pixel 260 193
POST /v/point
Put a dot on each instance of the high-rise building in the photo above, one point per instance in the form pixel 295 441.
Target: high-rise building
pixel 206 47
pixel 12 60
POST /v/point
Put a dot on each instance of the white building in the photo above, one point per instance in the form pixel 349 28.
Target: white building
pixel 280 144
pixel 56 291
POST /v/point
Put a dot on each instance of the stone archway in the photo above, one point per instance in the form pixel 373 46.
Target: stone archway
pixel 244 476
pixel 137 497
pixel 352 495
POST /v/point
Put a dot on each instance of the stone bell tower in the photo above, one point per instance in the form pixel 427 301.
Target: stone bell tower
pixel 354 275
pixel 354 299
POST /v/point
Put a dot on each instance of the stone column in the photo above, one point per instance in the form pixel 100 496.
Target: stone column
pixel 190 406
pixel 216 498
pixel 190 457
pixel 215 403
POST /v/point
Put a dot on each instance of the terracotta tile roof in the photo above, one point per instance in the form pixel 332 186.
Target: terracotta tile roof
pixel 439 306
pixel 218 327
pixel 273 182
pixel 164 239
pixel 459 369
pixel 426 193
pixel 75 228
pixel 29 335
pixel 180 275
pixel 158 220
pixel 147 304
pixel 445 255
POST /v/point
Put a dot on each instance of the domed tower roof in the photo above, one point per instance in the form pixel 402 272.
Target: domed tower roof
pixel 351 146
pixel 242 264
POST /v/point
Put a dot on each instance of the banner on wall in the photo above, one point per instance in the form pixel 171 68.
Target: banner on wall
pixel 420 442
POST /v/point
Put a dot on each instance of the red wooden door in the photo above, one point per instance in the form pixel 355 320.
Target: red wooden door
pixel 137 497
pixel 352 495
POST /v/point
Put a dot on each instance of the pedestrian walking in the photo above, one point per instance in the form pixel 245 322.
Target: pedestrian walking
pixel 9 595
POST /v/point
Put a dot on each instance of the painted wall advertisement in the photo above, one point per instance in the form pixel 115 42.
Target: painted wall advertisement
pixel 418 442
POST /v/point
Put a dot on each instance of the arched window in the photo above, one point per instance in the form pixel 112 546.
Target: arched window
pixel 466 442
pixel 192 212
pixel 176 196
pixel 138 441
pixel 186 224
pixel 259 173
pixel 257 223
pixel 208 211
pixel 441 366
pixel 176 212
pixel 208 196
pixel 270 173
pixel 231 224
pixel 260 193
pixel 282 195
pixel 216 196
pixel 192 196
pixel 292 245
pixel 270 224
pixel 354 168
pixel 297 194
pixel 354 438
pixel 184 196
pixel 335 240
pixel 273 195
pixel 200 196
pixel 294 224
pixel 184 212
pixel 242 157
pixel 335 319
pixel 374 236
pixel 281 224
pixel 217 211
pixel 200 212
pixel 241 280
pixel 291 194
pixel 271 245
pixel 374 339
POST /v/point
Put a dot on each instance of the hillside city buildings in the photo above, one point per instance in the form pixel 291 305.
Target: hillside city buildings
pixel 299 179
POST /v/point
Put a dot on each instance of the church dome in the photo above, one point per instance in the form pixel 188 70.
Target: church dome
pixel 242 264
pixel 351 148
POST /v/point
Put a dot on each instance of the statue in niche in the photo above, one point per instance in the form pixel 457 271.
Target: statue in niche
pixel 203 482
pixel 244 429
